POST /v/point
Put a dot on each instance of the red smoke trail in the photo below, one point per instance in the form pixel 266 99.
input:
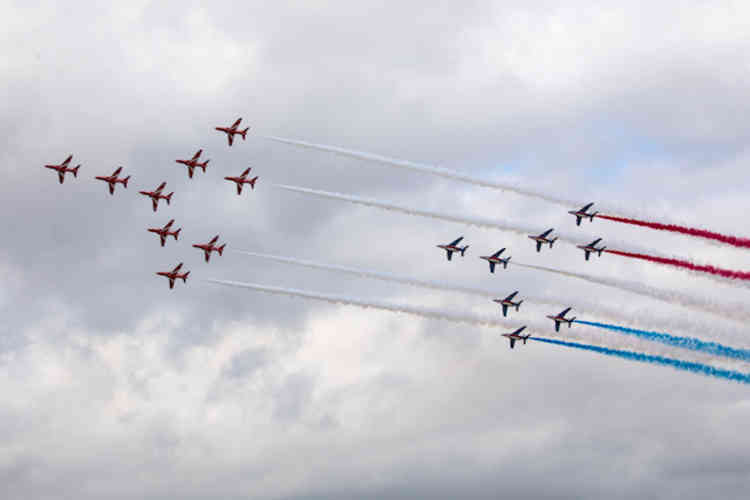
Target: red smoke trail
pixel 725 273
pixel 701 233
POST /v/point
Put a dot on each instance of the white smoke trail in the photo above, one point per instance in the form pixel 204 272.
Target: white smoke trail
pixel 589 335
pixel 439 171
pixel 734 311
pixel 483 223
pixel 581 305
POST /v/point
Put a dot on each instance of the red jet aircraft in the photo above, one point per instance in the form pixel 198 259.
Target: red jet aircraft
pixel 174 275
pixel 63 167
pixel 113 179
pixel 193 162
pixel 210 247
pixel 242 179
pixel 163 232
pixel 231 131
pixel 156 195
pixel 516 336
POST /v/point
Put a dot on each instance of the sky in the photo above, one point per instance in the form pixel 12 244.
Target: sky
pixel 115 386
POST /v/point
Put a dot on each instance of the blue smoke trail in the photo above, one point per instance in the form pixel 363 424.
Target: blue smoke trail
pixel 648 358
pixel 684 342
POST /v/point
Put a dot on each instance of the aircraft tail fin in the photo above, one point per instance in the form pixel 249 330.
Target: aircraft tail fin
pixel 221 248
pixel 505 263
pixel 570 323
pixel 204 165
pixel 592 216
pixel 75 170
pixel 243 132
pixel 125 181
pixel 177 233
pixel 184 277
pixel 463 250
pixel 252 182
pixel 525 339
pixel 519 305
pixel 169 197
pixel 552 241
pixel 601 250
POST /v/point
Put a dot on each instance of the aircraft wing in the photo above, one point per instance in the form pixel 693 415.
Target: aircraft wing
pixel 593 243
pixel 510 297
pixel 562 314
pixel 497 254
pixel 213 240
pixel 61 176
pixel 161 186
pixel 239 188
pixel 456 241
pixel 520 330
pixel 230 138
pixel 237 123
pixel 197 154
pixel 169 224
pixel 544 234
pixel 111 188
pixel 586 207
pixel 67 160
pixel 179 266
pixel 512 342
pixel 244 174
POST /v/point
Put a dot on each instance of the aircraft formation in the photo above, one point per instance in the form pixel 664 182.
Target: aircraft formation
pixel 158 194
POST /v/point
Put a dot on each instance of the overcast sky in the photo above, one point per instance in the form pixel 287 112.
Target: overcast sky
pixel 116 387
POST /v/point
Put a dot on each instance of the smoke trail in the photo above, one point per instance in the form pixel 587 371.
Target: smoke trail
pixel 736 311
pixel 338 299
pixel 690 343
pixel 683 264
pixel 648 358
pixel 575 334
pixel 439 171
pixel 691 231
pixel 473 221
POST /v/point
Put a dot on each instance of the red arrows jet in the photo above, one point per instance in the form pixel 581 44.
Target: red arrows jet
pixel 113 179
pixel 591 248
pixel 174 275
pixel 156 195
pixel 560 318
pixel 63 167
pixel 210 247
pixel 231 131
pixel 581 213
pixel 242 179
pixel 163 232
pixel 496 259
pixel 516 336
pixel 452 247
pixel 508 302
pixel 542 238
pixel 193 162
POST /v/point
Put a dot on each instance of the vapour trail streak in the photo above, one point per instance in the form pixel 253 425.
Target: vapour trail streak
pixel 690 231
pixel 737 312
pixel 437 285
pixel 660 360
pixel 439 171
pixel 576 334
pixel 683 264
pixel 690 343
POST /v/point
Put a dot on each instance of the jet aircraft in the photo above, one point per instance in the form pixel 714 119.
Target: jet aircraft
pixel 193 162
pixel 496 259
pixel 156 195
pixel 508 302
pixel 242 179
pixel 591 247
pixel 210 247
pixel 113 179
pixel 560 318
pixel 231 131
pixel 174 275
pixel 542 239
pixel 163 232
pixel 62 168
pixel 581 213
pixel 516 336
pixel 451 247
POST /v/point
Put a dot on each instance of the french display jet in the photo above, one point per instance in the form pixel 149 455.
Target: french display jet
pixel 542 239
pixel 451 247
pixel 231 131
pixel 242 179
pixel 581 214
pixel 157 195
pixel 516 336
pixel 560 318
pixel 210 247
pixel 113 179
pixel 508 302
pixel 496 259
pixel 163 232
pixel 62 168
pixel 193 162
pixel 591 248
pixel 174 275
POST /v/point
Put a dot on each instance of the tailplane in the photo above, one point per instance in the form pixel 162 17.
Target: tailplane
pixel 518 306
pixel 176 233
pixel 463 250
pixel 505 263
pixel 125 181
pixel 75 170
pixel 221 248
pixel 169 197
pixel 184 277
pixel 242 133
pixel 252 182
pixel 204 165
